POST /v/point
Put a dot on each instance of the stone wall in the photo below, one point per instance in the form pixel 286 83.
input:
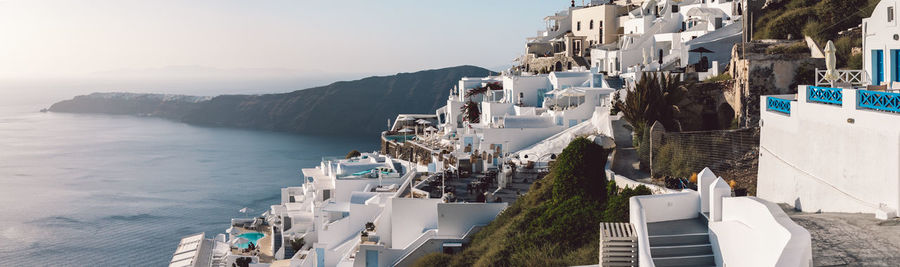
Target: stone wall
pixel 755 73
pixel 547 64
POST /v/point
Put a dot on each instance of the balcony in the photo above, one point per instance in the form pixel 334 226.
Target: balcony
pixel 880 101
pixel 776 104
pixel 857 100
pixel 855 78
pixel 826 95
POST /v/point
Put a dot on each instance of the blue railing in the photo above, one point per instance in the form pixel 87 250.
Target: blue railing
pixel 778 104
pixel 825 95
pixel 883 101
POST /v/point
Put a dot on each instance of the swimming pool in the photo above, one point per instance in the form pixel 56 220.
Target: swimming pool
pixel 251 237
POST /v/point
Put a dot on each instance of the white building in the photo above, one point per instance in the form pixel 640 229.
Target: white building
pixel 658 36
pixel 881 44
pixel 831 150
pixel 710 227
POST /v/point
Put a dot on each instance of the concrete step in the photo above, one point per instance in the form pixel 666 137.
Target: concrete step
pixel 698 260
pixel 682 250
pixel 679 240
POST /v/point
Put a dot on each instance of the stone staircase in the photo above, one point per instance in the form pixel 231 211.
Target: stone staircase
pixel 276 238
pixel 681 243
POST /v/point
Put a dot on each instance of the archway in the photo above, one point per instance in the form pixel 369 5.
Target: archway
pixel 726 115
pixel 558 66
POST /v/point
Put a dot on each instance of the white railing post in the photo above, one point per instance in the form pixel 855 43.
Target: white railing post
pixel 849 99
pixel 801 93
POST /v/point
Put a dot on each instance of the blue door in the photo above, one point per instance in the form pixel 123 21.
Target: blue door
pixel 877 67
pixel 320 257
pixel 895 67
pixel 573 123
pixel 371 258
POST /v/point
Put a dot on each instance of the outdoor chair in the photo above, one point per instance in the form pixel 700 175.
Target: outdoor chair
pixel 880 88
pixel 894 86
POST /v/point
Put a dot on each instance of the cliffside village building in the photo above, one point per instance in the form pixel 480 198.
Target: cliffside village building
pixel 440 177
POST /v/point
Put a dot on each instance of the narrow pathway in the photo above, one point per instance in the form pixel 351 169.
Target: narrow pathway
pixel 626 162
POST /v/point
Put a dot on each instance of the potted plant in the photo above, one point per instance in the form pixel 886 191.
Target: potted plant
pixel 364 236
pixel 297 243
pixel 370 226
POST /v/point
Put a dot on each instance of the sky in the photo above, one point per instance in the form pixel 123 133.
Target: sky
pixel 162 39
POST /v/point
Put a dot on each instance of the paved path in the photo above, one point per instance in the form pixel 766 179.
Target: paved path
pixel 850 239
pixel 626 162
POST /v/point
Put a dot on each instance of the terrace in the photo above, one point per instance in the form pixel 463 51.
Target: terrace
pixel 853 133
pixel 853 100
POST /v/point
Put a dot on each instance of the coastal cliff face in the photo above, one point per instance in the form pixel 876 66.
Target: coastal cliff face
pixel 152 105
pixel 349 107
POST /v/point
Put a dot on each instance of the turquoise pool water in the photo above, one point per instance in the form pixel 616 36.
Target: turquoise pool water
pixel 252 237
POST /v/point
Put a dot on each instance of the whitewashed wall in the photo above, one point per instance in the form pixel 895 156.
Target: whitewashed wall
pixel 817 160
pixel 755 232
pixel 455 219
pixel 410 217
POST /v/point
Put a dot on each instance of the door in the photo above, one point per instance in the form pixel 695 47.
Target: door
pixel 877 66
pixel 371 258
pixel 895 66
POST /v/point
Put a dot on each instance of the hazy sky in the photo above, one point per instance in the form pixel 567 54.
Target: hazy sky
pixel 68 38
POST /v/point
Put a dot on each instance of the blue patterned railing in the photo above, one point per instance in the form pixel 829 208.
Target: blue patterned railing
pixel 883 101
pixel 778 104
pixel 825 95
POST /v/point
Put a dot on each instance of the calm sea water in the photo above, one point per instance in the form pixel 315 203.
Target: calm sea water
pixel 103 190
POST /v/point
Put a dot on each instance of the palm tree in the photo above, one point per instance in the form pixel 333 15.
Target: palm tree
pixel 654 98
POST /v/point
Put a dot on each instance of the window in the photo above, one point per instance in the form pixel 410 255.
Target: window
pixel 591 25
pixel 674 8
pixel 601 31
pixel 578 26
pixel 890 14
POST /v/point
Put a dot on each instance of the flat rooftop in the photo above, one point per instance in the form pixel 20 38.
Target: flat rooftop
pixel 850 239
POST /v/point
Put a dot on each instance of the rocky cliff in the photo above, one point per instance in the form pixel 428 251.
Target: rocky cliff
pixel 349 107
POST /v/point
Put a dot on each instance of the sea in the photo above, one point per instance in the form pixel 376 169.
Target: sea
pixel 104 190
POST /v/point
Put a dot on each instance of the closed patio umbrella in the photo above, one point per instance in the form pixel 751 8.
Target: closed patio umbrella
pixel 830 63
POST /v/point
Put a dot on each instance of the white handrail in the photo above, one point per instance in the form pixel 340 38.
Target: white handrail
pixel 424 237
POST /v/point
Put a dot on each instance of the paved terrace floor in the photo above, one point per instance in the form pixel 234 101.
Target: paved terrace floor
pixel 850 239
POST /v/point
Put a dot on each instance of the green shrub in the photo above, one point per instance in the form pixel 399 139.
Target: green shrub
pixel 720 78
pixel 844 46
pixel 577 173
pixel 788 23
pixel 555 224
pixel 789 49
pixel 617 208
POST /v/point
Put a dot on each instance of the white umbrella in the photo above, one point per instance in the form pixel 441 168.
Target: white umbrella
pixel 830 63
pixel 422 121
pixel 646 57
pixel 430 128
pixel 405 130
